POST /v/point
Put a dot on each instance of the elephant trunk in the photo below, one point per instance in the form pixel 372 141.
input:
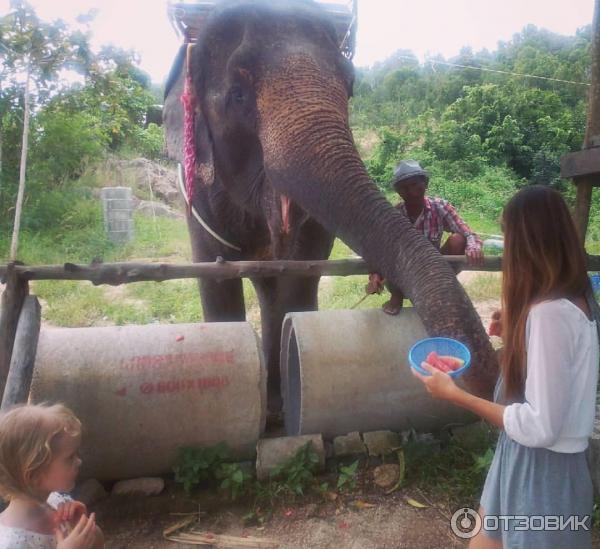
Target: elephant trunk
pixel 309 154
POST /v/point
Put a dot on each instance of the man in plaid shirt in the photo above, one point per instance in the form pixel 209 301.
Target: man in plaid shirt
pixel 431 216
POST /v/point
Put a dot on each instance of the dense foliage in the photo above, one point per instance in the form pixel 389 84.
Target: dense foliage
pixel 462 121
pixel 83 105
pixel 481 130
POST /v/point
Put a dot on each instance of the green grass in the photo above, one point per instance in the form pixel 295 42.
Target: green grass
pixel 484 287
pixel 80 304
pixel 171 301
pixel 158 237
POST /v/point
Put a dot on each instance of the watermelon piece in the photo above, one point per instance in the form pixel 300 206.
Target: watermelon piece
pixel 434 360
pixel 454 363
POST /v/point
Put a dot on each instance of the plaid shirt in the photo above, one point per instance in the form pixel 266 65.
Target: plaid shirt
pixel 439 215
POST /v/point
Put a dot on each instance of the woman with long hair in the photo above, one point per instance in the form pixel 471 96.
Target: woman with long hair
pixel 545 398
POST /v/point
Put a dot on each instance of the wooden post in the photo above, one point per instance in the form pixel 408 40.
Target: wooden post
pixel 10 310
pixel 592 134
pixel 18 382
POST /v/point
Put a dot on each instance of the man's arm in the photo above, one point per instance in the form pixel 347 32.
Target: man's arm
pixel 453 223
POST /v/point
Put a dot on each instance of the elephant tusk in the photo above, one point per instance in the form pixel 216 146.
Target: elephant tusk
pixel 194 212
pixel 285 214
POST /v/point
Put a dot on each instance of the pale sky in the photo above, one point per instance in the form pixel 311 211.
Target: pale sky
pixel 384 26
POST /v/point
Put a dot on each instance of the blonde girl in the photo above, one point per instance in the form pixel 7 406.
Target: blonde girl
pixel 39 461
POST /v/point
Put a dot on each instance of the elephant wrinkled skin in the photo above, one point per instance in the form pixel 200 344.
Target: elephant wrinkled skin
pixel 278 175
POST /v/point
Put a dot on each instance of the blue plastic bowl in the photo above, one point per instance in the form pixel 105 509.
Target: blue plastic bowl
pixel 442 346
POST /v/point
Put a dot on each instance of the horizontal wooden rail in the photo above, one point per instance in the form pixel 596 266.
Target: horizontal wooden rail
pixel 123 273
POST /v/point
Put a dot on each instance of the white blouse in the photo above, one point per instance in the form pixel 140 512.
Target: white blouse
pixel 19 538
pixel 562 377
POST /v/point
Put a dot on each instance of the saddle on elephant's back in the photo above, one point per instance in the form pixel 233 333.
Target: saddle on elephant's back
pixel 189 18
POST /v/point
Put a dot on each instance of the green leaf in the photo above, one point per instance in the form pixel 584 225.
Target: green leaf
pixel 238 476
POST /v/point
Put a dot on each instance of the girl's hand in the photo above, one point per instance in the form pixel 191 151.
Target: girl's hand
pixel 83 535
pixel 438 384
pixel 70 511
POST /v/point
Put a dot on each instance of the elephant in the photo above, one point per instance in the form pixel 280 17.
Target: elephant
pixel 278 176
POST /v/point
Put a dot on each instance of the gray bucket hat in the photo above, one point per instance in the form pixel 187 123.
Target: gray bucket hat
pixel 407 169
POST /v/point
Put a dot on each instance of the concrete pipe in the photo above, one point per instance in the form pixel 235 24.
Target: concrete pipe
pixel 345 371
pixel 142 392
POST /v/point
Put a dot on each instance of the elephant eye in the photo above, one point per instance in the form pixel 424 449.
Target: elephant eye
pixel 237 94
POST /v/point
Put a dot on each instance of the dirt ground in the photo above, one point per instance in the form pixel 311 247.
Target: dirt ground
pixel 352 521
pixel 365 519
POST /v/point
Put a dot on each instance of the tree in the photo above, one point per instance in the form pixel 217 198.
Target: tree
pixel 36 51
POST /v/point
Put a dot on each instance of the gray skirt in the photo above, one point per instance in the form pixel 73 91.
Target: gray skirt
pixel 550 493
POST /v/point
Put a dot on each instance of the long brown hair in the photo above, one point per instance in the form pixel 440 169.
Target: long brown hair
pixel 543 259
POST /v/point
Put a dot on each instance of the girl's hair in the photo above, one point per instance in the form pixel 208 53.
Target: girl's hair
pixel 543 259
pixel 29 436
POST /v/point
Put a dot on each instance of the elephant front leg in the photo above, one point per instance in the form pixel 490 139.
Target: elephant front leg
pixel 222 301
pixel 278 297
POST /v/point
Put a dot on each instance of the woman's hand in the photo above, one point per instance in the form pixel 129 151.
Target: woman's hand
pixel 83 535
pixel 442 386
pixel 495 328
pixel 438 384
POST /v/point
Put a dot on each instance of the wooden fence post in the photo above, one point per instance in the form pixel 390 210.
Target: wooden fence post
pixel 18 382
pixel 10 309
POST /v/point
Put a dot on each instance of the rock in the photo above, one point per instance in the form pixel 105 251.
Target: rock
pixel 386 476
pixel 381 443
pixel 90 491
pixel 271 452
pixel 349 445
pixel 145 207
pixel 142 175
pixel 145 486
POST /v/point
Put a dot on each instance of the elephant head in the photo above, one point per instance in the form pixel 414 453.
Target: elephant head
pixel 272 126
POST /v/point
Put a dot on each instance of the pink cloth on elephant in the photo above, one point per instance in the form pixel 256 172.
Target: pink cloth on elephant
pixel 189 143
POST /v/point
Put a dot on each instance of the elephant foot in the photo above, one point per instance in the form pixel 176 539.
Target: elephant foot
pixel 274 403
pixel 274 422
pixel 274 411
pixel 392 307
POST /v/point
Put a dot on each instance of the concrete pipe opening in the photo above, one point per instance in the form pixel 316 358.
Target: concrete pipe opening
pixel 143 392
pixel 345 371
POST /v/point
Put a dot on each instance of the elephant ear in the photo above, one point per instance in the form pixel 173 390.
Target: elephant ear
pixel 205 168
